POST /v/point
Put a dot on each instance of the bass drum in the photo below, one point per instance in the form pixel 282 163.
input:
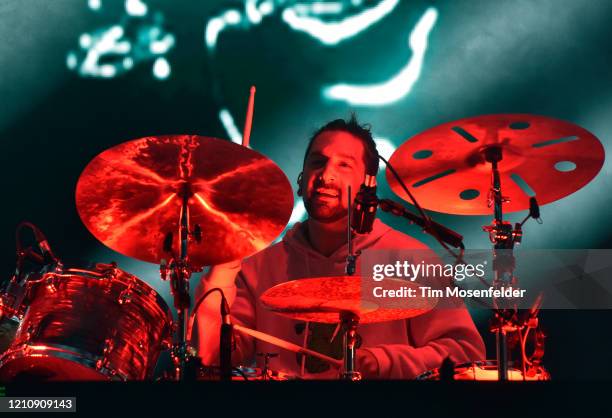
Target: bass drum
pixel 99 324
pixel 486 371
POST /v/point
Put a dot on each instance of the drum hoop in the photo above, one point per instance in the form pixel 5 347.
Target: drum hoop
pixel 62 352
pixel 77 272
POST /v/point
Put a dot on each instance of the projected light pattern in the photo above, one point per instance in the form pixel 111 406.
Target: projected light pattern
pixel 94 4
pixel 218 24
pixel 135 8
pixel 303 17
pixel 230 127
pixel 385 148
pixel 114 50
pixel 161 68
pixel 309 18
pixel 398 86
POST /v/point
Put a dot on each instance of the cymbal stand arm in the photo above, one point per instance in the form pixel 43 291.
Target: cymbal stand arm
pixel 180 273
pixel 349 324
pixel 503 263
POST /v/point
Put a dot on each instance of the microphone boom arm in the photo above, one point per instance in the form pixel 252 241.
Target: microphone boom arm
pixel 445 234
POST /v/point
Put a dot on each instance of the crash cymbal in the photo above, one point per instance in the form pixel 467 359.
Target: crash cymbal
pixel 322 299
pixel 445 169
pixel 130 198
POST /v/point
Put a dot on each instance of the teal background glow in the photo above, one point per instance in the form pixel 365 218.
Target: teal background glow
pixel 189 66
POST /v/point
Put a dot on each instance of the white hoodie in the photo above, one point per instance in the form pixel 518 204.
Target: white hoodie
pixel 402 349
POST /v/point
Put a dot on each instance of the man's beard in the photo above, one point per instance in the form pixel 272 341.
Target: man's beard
pixel 323 213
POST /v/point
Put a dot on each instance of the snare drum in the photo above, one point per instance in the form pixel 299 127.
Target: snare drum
pixel 95 324
pixel 486 371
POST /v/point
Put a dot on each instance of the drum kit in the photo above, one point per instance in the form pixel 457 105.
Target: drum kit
pixel 185 202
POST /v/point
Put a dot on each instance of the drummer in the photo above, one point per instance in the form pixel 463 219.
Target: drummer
pixel 337 156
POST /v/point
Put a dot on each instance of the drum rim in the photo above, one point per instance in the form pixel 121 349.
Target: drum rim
pixel 88 273
pixel 63 352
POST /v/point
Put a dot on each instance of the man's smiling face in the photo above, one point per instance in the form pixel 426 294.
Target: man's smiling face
pixel 335 161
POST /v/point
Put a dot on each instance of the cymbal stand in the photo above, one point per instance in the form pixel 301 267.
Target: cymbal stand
pixel 179 272
pixel 504 236
pixel 349 323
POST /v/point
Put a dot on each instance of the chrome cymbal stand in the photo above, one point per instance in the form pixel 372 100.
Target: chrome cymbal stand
pixel 179 271
pixel 503 236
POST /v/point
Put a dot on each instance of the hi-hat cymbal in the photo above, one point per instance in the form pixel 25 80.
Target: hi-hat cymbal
pixel 445 169
pixel 130 198
pixel 322 299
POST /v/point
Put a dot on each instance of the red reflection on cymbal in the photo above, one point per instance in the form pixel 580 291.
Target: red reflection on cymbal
pixel 322 299
pixel 130 197
pixel 445 169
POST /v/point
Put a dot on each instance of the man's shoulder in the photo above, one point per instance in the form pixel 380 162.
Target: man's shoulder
pixel 267 255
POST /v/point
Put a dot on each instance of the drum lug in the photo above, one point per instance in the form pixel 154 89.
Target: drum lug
pixel 103 362
pixel 165 345
pixel 52 283
pixel 108 346
pixel 30 332
pixel 125 297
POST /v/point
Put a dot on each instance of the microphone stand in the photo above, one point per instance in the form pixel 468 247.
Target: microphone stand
pixel 348 319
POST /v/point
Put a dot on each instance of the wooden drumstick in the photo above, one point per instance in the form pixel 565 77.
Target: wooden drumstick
pixel 286 344
pixel 248 122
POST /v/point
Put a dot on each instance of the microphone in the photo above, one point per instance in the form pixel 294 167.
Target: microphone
pixel 445 234
pixel 225 343
pixel 364 212
pixel 45 248
pixel 364 206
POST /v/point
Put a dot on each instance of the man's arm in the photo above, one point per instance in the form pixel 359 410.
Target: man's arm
pixel 437 334
pixel 229 279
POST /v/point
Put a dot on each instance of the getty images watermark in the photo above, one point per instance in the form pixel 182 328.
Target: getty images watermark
pixel 425 272
pixel 565 279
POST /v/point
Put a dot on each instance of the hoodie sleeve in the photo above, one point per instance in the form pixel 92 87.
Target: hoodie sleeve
pixel 436 335
pixel 243 313
pixel 208 321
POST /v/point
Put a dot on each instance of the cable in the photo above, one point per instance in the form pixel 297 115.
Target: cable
pixel 524 358
pixel 428 228
pixel 20 226
pixel 199 303
pixel 241 373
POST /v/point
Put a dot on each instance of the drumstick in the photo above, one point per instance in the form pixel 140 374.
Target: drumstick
pixel 286 344
pixel 248 122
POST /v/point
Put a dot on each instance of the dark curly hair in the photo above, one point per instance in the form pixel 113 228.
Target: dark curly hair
pixel 353 127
